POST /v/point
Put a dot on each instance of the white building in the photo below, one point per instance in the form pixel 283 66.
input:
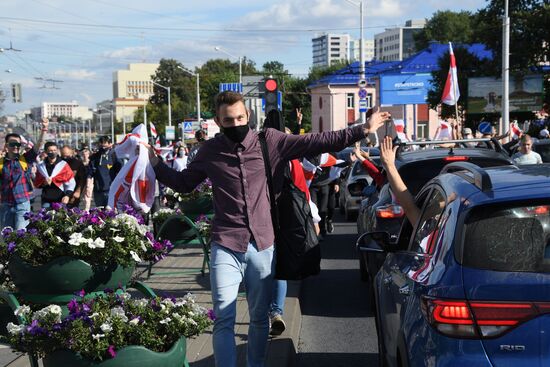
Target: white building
pixel 355 51
pixel 132 88
pixel 70 110
pixel 329 48
pixel 396 44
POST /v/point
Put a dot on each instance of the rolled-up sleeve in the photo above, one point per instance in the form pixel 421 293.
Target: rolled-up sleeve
pixel 296 146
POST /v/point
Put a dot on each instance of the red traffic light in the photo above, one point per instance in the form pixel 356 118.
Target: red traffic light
pixel 270 85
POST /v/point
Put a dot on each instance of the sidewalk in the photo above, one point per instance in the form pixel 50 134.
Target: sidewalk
pixel 179 273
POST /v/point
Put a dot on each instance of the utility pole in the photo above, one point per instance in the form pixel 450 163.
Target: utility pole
pixel 505 70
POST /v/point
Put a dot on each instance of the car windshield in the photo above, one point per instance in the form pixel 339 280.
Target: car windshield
pixel 417 174
pixel 508 238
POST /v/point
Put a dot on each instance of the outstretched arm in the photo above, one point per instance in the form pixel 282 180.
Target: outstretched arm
pixel 402 193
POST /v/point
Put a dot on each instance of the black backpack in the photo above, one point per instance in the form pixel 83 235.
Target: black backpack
pixel 297 250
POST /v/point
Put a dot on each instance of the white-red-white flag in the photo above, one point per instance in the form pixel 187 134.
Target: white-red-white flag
pixel 154 134
pixel 516 131
pixel 400 130
pixel 451 93
pixel 444 131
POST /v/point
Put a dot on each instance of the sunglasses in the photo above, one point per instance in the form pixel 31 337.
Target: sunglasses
pixel 14 144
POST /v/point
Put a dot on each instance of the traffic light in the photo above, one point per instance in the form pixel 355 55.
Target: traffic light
pixel 271 91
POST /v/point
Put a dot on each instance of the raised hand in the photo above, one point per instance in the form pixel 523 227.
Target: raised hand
pixel 387 152
pixel 376 120
pixel 44 124
pixel 299 116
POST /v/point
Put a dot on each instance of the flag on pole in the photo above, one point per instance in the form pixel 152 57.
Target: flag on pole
pixel 444 132
pixel 155 135
pixel 400 130
pixel 516 131
pixel 451 93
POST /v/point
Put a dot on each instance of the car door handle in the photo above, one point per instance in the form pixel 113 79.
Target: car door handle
pixel 405 290
pixel 387 280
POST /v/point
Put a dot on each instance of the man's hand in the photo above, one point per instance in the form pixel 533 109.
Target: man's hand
pixel 376 120
pixel 387 153
pixel 65 200
pixel 299 116
pixel 44 124
pixel 352 157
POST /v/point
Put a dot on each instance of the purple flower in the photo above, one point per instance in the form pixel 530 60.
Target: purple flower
pixel 35 329
pixel 211 315
pixel 149 236
pixel 73 307
pixel 11 247
pixel 21 232
pixel 86 308
pixel 81 293
pixel 56 206
pixel 33 231
pixel 111 351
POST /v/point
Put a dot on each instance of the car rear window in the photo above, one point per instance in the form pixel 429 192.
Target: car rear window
pixel 508 238
pixel 417 174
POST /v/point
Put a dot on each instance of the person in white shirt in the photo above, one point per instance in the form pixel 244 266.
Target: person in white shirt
pixel 180 161
pixel 525 155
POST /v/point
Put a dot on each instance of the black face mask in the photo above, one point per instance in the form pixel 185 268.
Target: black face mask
pixel 52 155
pixel 236 133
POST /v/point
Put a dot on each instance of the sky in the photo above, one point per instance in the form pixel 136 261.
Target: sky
pixel 82 42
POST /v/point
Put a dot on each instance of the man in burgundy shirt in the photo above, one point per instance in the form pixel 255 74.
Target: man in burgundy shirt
pixel 242 232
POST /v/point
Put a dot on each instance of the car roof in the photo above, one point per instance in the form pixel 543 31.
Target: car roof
pixel 429 154
pixel 508 183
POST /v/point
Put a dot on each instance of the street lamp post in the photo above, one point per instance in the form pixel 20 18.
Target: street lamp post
pixel 169 104
pixel 505 70
pixel 362 49
pixel 217 48
pixel 196 75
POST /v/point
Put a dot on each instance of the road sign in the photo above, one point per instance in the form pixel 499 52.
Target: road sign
pixel 362 93
pixel 234 87
pixel 279 101
pixel 363 105
pixel 187 127
pixel 362 83
pixel 170 132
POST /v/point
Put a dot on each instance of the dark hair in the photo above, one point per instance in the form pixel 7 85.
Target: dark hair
pixel 104 139
pixel 200 135
pixel 12 135
pixel 49 144
pixel 228 98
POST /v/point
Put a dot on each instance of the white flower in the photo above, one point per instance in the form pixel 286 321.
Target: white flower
pixel 22 310
pixel 54 309
pixel 141 302
pixel 98 336
pixel 105 327
pixel 2 266
pixel 125 296
pixel 48 231
pixel 59 239
pixel 99 243
pixel 134 321
pixel 165 321
pixel 89 242
pixel 119 312
pixel 95 314
pixel 75 238
pixel 168 302
pixel 15 329
pixel 143 247
pixel 118 239
pixel 135 256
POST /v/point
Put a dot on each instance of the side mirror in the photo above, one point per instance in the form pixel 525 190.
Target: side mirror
pixel 369 190
pixel 376 242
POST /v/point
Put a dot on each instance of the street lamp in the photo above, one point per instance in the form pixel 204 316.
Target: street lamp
pixel 217 48
pixel 169 104
pixel 198 90
pixel 362 50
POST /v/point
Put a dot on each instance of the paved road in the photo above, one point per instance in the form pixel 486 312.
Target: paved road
pixel 338 329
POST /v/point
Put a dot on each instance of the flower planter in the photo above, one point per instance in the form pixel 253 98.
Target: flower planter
pixel 131 356
pixel 201 205
pixel 66 276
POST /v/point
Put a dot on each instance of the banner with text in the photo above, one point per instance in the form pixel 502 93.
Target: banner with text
pixel 404 89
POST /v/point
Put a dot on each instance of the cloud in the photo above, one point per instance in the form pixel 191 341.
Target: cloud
pixel 88 99
pixel 77 74
pixel 136 52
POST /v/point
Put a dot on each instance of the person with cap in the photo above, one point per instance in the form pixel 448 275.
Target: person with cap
pixel 544 133
pixel 525 155
pixel 466 135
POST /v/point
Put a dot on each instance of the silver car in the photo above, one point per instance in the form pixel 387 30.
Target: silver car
pixel 351 189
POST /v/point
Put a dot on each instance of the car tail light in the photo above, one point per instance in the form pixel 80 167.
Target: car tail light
pixel 390 211
pixel 466 319
pixel 537 210
pixel 455 158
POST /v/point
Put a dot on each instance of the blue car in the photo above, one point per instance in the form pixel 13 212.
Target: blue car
pixel 469 284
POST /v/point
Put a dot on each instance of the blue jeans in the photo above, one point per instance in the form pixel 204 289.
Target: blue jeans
pixel 101 198
pixel 227 270
pixel 278 298
pixel 12 215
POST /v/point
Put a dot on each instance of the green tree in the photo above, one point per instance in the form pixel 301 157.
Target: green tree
pixel 447 26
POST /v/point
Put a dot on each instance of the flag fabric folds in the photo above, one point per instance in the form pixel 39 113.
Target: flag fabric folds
pixel 400 130
pixel 62 176
pixel 451 93
pixel 135 183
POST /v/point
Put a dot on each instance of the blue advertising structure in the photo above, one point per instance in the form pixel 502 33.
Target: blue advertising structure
pixel 404 89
